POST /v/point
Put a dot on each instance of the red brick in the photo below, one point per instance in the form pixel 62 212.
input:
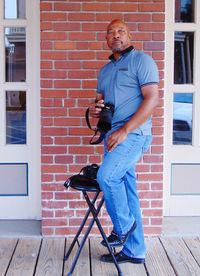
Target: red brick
pixel 158 17
pixel 156 204
pixel 46 6
pixel 47 231
pixel 77 36
pixel 47 195
pixel 47 159
pixel 66 83
pixel 64 213
pixel 56 16
pixel 136 17
pixel 67 64
pixel 67 196
pixel 64 45
pixel 81 55
pixel 46 64
pixel 46 45
pixel 80 159
pixel 48 74
pixel 151 7
pixel 95 6
pixel 81 150
pixel 53 36
pixel 67 6
pixel 47 214
pixel 78 16
pixel 130 7
pixel 44 26
pixel 54 222
pixel 156 221
pixel 153 27
pixel 66 26
pixel 53 168
pixel 80 74
pixel 63 159
pixel 67 121
pixel 52 149
pixel 67 140
pixel 53 55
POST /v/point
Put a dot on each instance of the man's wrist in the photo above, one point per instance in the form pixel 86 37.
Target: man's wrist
pixel 125 129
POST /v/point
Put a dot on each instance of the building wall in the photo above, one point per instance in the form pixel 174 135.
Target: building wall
pixel 73 49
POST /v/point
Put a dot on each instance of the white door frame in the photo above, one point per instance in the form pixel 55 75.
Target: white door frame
pixel 24 207
pixel 180 205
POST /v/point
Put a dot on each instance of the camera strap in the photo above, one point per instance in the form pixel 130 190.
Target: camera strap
pixel 96 130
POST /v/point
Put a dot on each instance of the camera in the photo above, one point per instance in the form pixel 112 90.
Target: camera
pixel 104 123
pixel 105 119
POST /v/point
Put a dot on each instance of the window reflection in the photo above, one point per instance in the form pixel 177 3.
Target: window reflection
pixel 184 10
pixel 182 119
pixel 15 117
pixel 183 57
pixel 15 53
pixel 14 9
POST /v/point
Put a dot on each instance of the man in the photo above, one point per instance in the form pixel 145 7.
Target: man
pixel 129 82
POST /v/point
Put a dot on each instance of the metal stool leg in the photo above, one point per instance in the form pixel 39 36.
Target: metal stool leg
pixel 80 228
pixel 84 239
pixel 95 215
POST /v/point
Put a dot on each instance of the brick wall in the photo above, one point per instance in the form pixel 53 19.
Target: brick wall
pixel 73 48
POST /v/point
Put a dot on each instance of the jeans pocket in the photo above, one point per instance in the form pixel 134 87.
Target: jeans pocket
pixel 147 143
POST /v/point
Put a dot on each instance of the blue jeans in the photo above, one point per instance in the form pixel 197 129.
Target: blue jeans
pixel 117 180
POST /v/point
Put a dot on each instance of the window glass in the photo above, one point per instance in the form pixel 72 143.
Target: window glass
pixel 14 9
pixel 184 10
pixel 15 53
pixel 183 57
pixel 15 117
pixel 182 118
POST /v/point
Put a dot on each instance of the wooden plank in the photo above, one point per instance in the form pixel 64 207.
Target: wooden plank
pixel 83 264
pixel 101 268
pixel 7 247
pixel 157 262
pixel 180 256
pixel 194 246
pixel 25 257
pixel 50 260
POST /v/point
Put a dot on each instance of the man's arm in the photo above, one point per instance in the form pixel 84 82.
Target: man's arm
pixel 150 101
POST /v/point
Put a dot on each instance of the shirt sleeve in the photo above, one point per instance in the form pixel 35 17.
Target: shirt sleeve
pixel 147 70
pixel 99 82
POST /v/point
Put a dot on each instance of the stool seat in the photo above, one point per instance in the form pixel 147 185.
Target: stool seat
pixel 82 183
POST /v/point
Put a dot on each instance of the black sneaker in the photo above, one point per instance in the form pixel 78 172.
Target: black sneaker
pixel 121 258
pixel 115 240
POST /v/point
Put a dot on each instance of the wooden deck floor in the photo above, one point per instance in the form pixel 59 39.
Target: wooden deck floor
pixel 44 256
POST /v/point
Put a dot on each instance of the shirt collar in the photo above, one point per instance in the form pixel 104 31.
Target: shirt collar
pixel 127 50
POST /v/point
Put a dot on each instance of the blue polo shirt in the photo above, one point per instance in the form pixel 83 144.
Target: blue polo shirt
pixel 120 82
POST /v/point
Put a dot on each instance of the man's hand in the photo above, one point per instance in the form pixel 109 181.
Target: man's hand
pixel 116 138
pixel 95 108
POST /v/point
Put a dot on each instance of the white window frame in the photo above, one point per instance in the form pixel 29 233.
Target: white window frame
pixel 180 205
pixel 27 207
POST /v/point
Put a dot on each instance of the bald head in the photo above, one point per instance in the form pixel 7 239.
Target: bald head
pixel 117 21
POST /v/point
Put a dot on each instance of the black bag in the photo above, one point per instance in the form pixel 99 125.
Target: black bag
pixel 86 177
pixel 90 171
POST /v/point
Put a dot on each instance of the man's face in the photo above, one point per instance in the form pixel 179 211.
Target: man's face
pixel 118 37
